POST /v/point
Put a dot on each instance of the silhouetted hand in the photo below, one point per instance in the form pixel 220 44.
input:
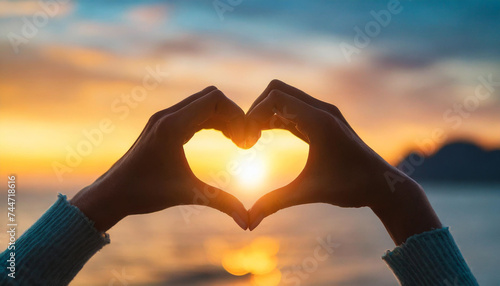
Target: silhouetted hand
pixel 341 169
pixel 154 173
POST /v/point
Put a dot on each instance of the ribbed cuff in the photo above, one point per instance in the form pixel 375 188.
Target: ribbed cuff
pixel 57 246
pixel 430 258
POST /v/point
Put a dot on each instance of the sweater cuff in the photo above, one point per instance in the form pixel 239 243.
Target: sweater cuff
pixel 57 246
pixel 430 258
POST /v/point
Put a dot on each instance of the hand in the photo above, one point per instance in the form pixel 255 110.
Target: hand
pixel 154 174
pixel 341 169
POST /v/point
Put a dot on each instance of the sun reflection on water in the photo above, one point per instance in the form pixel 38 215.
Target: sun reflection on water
pixel 257 258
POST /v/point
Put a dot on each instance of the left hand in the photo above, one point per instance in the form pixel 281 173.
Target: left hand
pixel 154 174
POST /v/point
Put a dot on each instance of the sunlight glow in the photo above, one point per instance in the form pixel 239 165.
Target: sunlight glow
pixel 252 172
pixel 274 161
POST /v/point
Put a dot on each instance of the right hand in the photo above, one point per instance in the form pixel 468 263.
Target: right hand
pixel 341 169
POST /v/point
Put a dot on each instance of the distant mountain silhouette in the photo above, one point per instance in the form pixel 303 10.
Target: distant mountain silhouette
pixel 458 162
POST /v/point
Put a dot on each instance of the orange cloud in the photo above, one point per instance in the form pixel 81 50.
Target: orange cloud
pixel 28 8
pixel 148 15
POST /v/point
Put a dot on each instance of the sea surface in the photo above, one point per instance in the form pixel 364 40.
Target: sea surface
pixel 200 246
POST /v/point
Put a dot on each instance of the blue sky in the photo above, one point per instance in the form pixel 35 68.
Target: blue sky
pixel 424 31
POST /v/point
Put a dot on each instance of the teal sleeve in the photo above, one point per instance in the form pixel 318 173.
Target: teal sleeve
pixel 430 258
pixel 54 249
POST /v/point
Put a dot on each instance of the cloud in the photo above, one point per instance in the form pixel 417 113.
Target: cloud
pixel 50 81
pixel 93 29
pixel 390 101
pixel 30 8
pixel 148 15
pixel 134 24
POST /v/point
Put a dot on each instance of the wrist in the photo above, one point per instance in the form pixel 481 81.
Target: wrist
pixel 406 211
pixel 98 206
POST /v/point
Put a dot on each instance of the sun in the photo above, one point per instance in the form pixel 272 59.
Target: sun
pixel 252 172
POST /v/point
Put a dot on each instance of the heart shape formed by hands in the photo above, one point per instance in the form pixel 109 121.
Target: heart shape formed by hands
pixel 340 170
pixel 154 173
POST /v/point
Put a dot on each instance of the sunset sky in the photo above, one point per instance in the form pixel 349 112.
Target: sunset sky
pixel 63 75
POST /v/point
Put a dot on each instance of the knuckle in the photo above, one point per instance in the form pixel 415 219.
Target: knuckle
pixel 163 124
pixel 334 110
pixel 217 95
pixel 156 117
pixel 274 95
pixel 210 88
pixel 275 83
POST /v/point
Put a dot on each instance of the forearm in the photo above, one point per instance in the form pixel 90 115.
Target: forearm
pixel 55 248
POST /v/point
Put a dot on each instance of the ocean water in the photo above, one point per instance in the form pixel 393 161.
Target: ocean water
pixel 288 248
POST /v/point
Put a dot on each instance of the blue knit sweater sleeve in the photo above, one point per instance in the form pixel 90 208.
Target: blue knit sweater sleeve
pixel 54 249
pixel 430 258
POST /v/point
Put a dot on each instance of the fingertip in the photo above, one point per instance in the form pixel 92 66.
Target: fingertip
pixel 252 133
pixel 243 223
pixel 240 214
pixel 227 204
pixel 255 216
pixel 238 132
pixel 251 140
pixel 255 222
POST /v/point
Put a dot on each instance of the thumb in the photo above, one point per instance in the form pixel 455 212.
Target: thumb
pixel 218 199
pixel 278 122
pixel 295 193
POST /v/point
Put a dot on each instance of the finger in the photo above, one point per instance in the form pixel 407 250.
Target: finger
pixel 279 85
pixel 278 122
pixel 290 195
pixel 224 202
pixel 214 105
pixel 217 124
pixel 299 94
pixel 306 118
pixel 275 122
pixel 188 100
pixel 214 124
pixel 158 115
